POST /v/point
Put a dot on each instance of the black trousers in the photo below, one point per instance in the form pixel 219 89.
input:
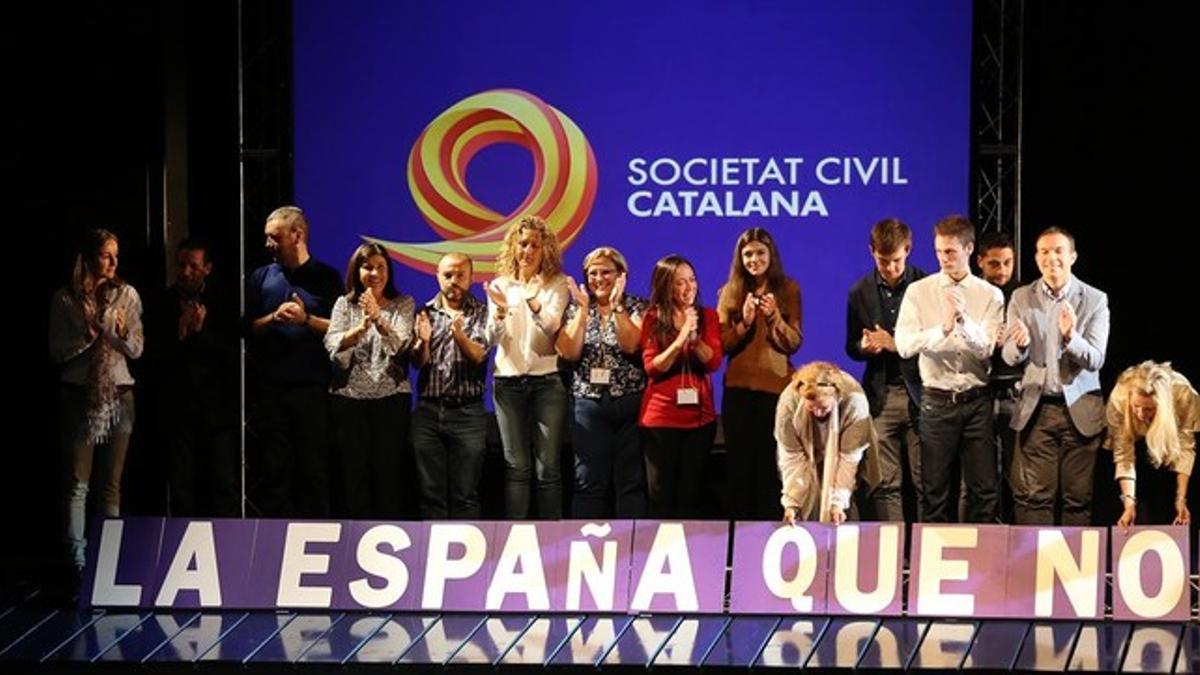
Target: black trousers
pixel 675 461
pixel 203 469
pixel 373 451
pixel 753 473
pixel 292 423
pixel 956 430
pixel 1155 490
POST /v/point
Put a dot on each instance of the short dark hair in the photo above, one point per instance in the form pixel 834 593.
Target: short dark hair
pixel 194 244
pixel 354 284
pixel 993 240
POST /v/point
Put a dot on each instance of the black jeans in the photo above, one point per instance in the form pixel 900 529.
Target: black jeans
pixel 449 439
pixel 953 430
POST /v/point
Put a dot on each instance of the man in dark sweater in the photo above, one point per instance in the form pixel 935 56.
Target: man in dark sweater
pixel 892 384
pixel 195 353
pixel 288 303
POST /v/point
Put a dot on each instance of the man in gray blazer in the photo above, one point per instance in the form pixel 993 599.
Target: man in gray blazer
pixel 1058 327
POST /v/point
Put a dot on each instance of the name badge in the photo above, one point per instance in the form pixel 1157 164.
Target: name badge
pixel 600 376
pixel 687 396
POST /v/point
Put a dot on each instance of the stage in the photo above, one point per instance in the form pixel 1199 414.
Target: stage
pixel 262 640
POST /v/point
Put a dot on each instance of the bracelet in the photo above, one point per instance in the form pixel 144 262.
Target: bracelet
pixel 1128 498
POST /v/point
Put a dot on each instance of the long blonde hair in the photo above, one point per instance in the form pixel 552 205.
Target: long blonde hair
pixel 506 261
pixel 83 272
pixel 1156 380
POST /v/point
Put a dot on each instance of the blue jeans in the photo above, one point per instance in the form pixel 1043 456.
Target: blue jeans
pixel 449 441
pixel 608 454
pixel 531 411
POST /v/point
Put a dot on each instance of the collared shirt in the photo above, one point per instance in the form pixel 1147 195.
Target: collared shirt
pixel 1048 327
pixel 959 360
pixel 449 371
pixel 1002 373
pixel 524 340
pixel 889 308
pixel 602 350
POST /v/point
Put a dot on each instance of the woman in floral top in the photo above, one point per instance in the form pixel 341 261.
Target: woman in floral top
pixel 370 339
pixel 601 338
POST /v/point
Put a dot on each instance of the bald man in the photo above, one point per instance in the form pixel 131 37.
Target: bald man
pixel 450 424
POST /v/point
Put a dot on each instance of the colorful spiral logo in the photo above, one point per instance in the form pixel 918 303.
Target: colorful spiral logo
pixel 563 190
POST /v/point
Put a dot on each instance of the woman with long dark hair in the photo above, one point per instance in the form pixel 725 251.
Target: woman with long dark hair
pixel 95 328
pixel 759 310
pixel 681 346
pixel 370 338
pixel 600 338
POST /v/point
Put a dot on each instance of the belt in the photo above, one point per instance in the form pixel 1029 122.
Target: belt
pixel 451 401
pixel 1004 385
pixel 965 396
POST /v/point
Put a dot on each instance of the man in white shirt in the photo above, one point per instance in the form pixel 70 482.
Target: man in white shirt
pixel 950 320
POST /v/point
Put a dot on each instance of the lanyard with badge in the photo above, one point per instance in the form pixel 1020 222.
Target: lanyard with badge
pixel 601 374
pixel 688 392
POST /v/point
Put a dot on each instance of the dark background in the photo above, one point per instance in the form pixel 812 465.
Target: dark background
pixel 1108 140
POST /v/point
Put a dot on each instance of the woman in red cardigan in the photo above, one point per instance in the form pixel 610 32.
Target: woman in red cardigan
pixel 681 347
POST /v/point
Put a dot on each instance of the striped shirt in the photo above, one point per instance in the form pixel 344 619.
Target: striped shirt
pixel 449 372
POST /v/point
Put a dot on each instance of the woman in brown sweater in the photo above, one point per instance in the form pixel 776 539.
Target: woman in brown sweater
pixel 760 314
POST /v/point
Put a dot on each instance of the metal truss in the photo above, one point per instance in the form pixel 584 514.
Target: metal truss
pixel 265 161
pixel 996 116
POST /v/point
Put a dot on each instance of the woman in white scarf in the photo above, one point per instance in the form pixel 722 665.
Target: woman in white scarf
pixel 823 432
pixel 1154 404
pixel 95 327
